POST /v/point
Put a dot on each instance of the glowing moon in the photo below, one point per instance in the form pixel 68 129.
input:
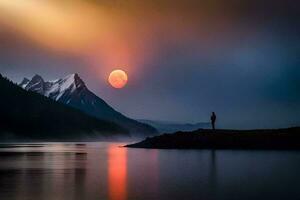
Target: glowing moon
pixel 118 79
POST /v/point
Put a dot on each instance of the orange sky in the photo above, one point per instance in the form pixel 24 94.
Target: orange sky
pixel 114 34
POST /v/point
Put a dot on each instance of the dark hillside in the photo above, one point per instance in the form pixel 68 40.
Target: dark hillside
pixel 28 115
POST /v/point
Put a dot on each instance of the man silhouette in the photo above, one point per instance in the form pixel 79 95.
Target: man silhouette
pixel 213 119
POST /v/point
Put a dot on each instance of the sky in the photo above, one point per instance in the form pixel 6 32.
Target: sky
pixel 184 59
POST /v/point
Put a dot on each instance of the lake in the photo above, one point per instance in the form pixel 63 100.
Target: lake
pixel 65 171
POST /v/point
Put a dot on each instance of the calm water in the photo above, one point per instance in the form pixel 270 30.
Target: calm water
pixel 63 171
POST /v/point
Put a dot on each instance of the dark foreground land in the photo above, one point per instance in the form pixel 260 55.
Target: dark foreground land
pixel 225 139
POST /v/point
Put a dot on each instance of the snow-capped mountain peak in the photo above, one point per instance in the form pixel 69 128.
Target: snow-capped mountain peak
pixel 36 84
pixel 76 80
pixel 69 84
pixel 71 90
pixel 24 82
pixel 54 89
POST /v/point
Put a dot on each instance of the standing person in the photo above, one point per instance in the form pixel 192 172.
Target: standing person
pixel 213 119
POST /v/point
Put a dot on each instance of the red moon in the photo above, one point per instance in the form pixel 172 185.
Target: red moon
pixel 118 79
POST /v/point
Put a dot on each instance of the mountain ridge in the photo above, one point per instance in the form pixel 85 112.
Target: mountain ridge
pixel 72 90
pixel 171 127
pixel 30 116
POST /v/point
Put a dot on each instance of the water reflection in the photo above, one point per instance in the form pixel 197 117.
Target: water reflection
pixel 117 173
pixel 213 174
pixel 66 171
pixel 143 174
pixel 42 172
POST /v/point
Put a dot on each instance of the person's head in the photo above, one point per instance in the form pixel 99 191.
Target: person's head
pixel 213 113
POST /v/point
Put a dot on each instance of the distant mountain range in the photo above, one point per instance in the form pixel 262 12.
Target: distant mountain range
pixel 71 90
pixel 171 127
pixel 29 116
